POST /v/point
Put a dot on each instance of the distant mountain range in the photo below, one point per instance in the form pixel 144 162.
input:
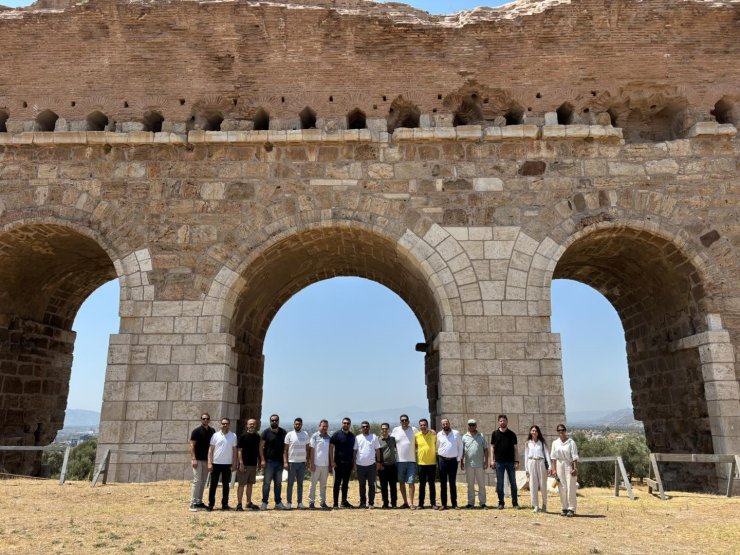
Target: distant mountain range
pixel 622 418
pixel 78 418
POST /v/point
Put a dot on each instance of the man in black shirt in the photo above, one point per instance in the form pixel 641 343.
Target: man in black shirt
pixel 248 452
pixel 504 459
pixel 342 460
pixel 272 446
pixel 200 441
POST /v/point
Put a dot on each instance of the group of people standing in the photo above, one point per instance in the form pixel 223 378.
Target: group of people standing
pixel 396 457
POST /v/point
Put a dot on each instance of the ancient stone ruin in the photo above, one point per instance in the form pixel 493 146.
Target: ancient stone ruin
pixel 217 157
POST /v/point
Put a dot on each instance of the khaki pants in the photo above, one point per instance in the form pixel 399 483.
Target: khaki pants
pixel 321 474
pixel 537 481
pixel 476 476
pixel 200 475
pixel 568 486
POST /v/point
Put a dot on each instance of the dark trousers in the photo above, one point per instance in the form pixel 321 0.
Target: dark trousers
pixel 508 468
pixel 366 476
pixel 222 471
pixel 448 473
pixel 427 475
pixel 388 481
pixel 341 479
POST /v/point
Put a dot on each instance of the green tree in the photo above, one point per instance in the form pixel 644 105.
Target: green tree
pixel 636 456
pixel 82 461
pixel 595 474
pixel 53 461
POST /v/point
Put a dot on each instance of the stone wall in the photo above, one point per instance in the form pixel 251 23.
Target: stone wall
pixel 454 194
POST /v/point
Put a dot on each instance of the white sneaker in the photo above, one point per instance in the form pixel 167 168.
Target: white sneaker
pixel 535 510
pixel 281 507
pixel 300 506
pixel 263 507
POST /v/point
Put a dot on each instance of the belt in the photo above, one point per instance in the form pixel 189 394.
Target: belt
pixel 447 458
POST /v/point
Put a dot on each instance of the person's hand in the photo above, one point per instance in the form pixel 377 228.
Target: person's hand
pixel 234 467
pixel 285 466
pixel 574 472
pixel 195 463
pixel 493 466
pixel 516 464
pixel 462 465
pixel 312 467
pixel 263 465
pixel 210 467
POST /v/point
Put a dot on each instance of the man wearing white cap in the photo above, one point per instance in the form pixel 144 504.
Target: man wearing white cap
pixel 474 463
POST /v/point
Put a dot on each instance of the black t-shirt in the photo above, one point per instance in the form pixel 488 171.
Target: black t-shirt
pixel 344 444
pixel 202 438
pixel 274 444
pixel 504 444
pixel 249 443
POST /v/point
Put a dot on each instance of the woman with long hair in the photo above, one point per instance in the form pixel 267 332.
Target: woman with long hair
pixel 564 465
pixel 536 463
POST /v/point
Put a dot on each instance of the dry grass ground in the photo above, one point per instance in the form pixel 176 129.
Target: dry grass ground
pixel 42 517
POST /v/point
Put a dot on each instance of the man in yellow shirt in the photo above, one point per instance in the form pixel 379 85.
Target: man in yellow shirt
pixel 426 460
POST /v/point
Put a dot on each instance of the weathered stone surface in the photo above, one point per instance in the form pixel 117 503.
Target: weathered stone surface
pixel 214 215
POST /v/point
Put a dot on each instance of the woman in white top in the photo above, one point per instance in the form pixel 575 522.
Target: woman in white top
pixel 564 464
pixel 536 457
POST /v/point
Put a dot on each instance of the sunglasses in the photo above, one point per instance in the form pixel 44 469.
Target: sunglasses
pixel 561 429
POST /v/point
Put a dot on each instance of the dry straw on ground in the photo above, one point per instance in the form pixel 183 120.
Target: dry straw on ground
pixel 42 517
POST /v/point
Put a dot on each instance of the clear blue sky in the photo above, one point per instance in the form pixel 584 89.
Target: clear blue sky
pixel 353 328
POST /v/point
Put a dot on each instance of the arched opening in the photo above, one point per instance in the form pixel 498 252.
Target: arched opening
pixel 565 113
pixel 97 121
pixel 308 118
pixel 46 121
pixel 470 111
pixel 304 258
pixel 261 120
pixel 658 122
pixel 4 115
pixel 205 120
pixel 403 113
pixel 153 121
pixel 46 272
pixel 595 376
pixel 338 331
pixel 514 115
pixel 660 299
pixel 356 119
pixel 723 112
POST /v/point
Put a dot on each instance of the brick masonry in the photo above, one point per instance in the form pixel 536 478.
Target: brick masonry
pixel 468 214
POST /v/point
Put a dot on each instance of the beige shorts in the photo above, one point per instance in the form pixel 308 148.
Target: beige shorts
pixel 247 476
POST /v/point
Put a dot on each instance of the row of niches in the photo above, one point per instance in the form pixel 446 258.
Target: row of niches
pixel 655 122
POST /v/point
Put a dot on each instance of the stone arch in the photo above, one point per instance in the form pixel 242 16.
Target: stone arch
pixel 680 358
pixel 248 296
pixel 48 267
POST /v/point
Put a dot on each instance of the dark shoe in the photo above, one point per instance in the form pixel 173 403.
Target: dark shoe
pixel 252 507
pixel 468 506
pixel 362 506
pixel 325 507
pixel 347 505
pixel 484 506
pixel 209 508
pixel 404 506
pixel 515 507
pixel 337 506
pixel 571 513
pixel 311 507
pixel 239 507
pixel 500 506
pixel 564 512
pixel 201 506
pixel 193 507
pixel 225 508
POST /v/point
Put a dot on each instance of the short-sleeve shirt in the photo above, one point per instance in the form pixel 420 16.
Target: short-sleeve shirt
pixel 426 448
pixel 366 446
pixel 274 444
pixel 504 445
pixel 474 448
pixel 320 446
pixel 202 438
pixel 223 447
pixel 249 443
pixel 296 442
pixel 405 443
pixel 344 445
pixel 388 450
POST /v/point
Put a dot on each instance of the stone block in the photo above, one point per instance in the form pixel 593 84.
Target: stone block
pixel 488 184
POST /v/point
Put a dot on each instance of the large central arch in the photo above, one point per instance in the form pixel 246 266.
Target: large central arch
pixel 294 261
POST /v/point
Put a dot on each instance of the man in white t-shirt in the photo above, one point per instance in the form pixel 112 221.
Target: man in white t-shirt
pixel 318 460
pixel 221 463
pixel 295 457
pixel 367 462
pixel 406 462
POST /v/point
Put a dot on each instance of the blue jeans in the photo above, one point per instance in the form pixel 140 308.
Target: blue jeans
pixel 296 471
pixel 507 467
pixel 273 471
